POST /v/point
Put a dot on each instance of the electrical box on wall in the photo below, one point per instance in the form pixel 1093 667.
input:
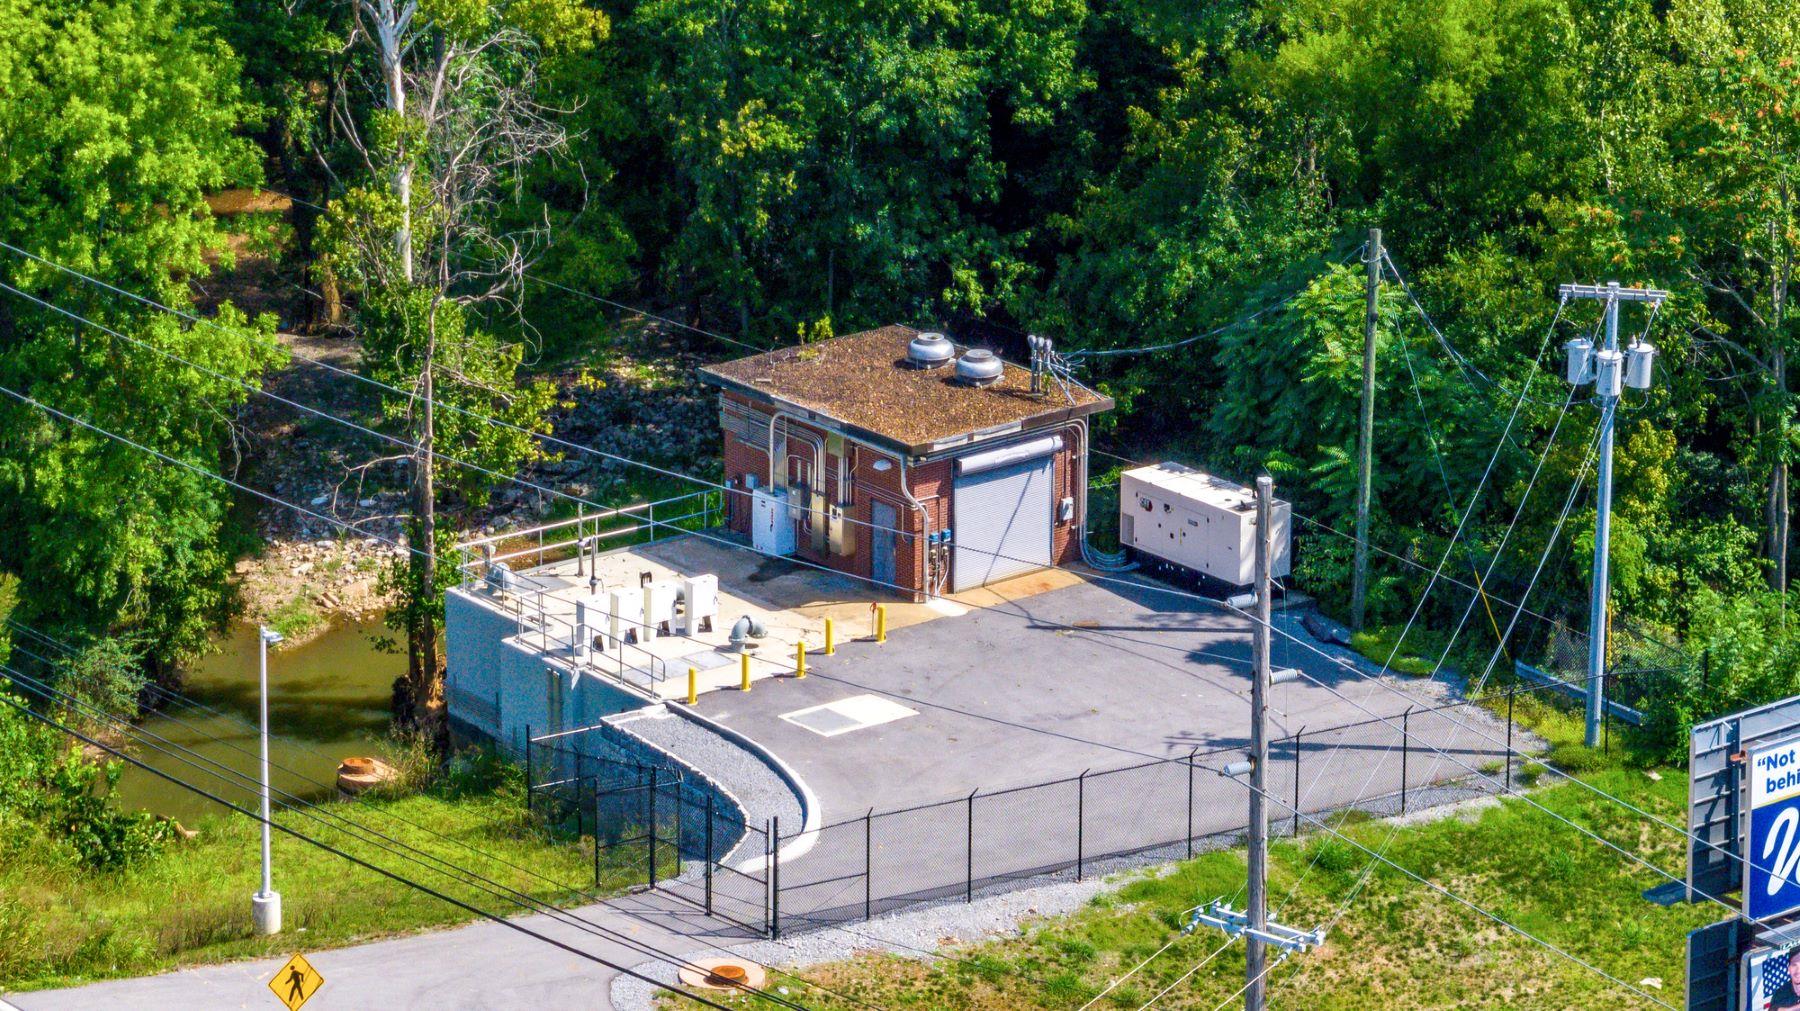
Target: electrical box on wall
pixel 1196 521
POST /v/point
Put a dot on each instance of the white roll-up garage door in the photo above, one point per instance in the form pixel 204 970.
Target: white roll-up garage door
pixel 1002 521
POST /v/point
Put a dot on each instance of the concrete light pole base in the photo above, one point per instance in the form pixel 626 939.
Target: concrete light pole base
pixel 266 908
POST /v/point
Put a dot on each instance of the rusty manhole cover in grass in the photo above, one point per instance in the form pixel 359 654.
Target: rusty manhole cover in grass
pixel 723 974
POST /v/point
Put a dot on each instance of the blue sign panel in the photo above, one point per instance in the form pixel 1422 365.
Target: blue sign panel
pixel 1772 846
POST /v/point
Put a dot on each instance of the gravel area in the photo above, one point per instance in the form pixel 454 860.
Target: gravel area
pixel 758 789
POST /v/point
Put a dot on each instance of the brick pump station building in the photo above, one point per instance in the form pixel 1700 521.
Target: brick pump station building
pixel 899 457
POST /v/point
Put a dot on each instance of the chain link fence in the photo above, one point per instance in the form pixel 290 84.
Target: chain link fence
pixel 657 827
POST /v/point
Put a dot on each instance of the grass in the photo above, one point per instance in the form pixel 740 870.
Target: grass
pixel 1416 659
pixel 297 618
pixel 1400 944
pixel 61 924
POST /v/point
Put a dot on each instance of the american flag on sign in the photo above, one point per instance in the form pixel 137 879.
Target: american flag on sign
pixel 1776 987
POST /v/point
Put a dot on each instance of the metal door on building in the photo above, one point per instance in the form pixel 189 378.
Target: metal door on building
pixel 1002 521
pixel 883 520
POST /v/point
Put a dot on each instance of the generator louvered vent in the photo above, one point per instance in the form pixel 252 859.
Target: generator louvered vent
pixel 979 367
pixel 929 351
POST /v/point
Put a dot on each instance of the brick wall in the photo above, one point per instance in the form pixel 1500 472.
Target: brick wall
pixel 932 484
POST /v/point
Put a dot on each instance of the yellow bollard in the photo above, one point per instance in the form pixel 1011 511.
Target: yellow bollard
pixel 693 685
pixel 800 659
pixel 745 657
pixel 830 639
pixel 881 623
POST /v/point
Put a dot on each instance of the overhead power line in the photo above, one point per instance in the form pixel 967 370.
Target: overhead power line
pixel 331 819
pixel 1528 758
pixel 1287 635
pixel 358 861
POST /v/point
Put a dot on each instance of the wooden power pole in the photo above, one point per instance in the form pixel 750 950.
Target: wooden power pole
pixel 1257 904
pixel 1365 439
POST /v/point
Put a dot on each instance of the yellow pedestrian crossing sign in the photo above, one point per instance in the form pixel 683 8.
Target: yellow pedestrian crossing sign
pixel 297 981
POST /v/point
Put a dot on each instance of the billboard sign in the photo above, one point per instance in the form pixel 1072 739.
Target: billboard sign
pixel 1772 872
pixel 1718 793
pixel 1769 983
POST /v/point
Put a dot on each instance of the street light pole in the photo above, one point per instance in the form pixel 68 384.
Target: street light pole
pixel 265 905
pixel 1610 370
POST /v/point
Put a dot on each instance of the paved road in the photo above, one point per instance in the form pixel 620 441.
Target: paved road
pixel 1003 699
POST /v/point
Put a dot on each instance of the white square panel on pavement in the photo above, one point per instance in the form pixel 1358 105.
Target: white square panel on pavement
pixel 857 712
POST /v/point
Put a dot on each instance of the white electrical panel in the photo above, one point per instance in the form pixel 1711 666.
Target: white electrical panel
pixel 659 605
pixel 702 596
pixel 771 522
pixel 590 614
pixel 625 609
pixel 1200 522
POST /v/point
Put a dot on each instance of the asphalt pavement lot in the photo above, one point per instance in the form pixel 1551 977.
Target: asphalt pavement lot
pixel 1087 677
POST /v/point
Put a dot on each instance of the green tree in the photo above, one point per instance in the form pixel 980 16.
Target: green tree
pixel 1733 215
pixel 118 118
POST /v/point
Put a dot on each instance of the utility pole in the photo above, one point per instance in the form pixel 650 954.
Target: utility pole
pixel 1253 923
pixel 265 905
pixel 1365 441
pixel 1610 370
pixel 1257 910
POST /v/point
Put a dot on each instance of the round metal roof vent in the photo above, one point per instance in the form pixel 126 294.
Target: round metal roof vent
pixel 979 367
pixel 930 350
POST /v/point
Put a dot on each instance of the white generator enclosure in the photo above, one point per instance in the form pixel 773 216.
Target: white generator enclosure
pixel 1200 522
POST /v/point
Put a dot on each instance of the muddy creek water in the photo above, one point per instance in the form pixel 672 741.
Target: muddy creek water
pixel 328 699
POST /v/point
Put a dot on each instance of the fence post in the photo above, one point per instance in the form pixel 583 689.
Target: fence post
pixel 1190 807
pixel 1080 821
pixel 969 879
pixel 1297 734
pixel 869 864
pixel 596 833
pixel 709 851
pixel 530 781
pixel 768 862
pixel 1509 727
pixel 775 879
pixel 650 819
pixel 1405 752
pixel 1606 723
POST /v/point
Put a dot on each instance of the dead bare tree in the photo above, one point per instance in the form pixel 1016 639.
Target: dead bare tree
pixel 448 120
